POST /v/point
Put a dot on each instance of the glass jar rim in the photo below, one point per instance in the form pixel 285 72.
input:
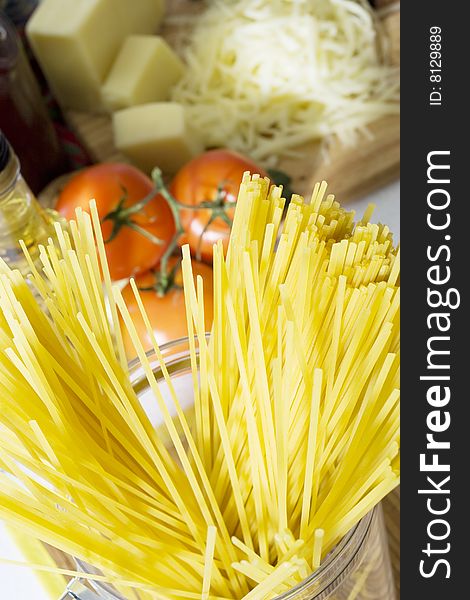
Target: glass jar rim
pixel 321 579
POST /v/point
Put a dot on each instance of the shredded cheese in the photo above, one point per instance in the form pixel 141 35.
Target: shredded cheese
pixel 266 76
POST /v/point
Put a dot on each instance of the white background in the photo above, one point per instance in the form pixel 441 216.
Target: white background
pixel 18 583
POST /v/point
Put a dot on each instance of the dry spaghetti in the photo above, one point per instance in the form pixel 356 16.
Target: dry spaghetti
pixel 296 405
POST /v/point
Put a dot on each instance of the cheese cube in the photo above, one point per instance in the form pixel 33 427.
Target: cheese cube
pixel 144 71
pixel 156 135
pixel 76 41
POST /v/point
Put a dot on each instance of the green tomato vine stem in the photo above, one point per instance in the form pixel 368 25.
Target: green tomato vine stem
pixel 217 208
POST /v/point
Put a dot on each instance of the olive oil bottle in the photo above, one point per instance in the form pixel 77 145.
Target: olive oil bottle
pixel 21 216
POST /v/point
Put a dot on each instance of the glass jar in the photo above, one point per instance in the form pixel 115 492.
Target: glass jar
pixel 21 216
pixel 24 118
pixel 358 568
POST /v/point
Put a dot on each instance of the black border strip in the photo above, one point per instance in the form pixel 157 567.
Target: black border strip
pixel 430 124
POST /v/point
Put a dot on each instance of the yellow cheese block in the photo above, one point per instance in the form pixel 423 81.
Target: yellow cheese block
pixel 144 71
pixel 76 42
pixel 156 135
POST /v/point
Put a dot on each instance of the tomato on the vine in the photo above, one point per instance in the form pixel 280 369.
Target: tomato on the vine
pixel 165 309
pixel 137 224
pixel 212 178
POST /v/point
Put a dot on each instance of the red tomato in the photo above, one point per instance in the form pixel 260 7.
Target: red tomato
pixel 131 251
pixel 211 176
pixel 167 313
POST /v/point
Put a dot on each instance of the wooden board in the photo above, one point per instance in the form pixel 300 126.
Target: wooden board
pixel 350 171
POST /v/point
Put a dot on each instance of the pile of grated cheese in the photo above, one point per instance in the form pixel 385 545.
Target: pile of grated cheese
pixel 265 76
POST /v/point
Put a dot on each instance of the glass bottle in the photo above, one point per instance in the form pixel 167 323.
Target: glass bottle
pixel 21 216
pixel 24 118
pixel 18 11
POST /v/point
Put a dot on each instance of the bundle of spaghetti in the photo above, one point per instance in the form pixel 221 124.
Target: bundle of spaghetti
pixel 295 434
